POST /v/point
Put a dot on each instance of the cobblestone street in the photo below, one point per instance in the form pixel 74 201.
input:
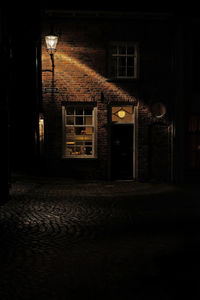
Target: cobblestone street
pixel 62 239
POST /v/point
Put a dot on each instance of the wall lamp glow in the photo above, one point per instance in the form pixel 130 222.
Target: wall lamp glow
pixel 51 42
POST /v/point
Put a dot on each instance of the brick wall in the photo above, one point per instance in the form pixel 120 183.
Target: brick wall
pixel 80 75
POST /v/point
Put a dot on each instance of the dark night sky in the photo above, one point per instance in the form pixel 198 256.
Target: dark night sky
pixel 24 17
pixel 30 7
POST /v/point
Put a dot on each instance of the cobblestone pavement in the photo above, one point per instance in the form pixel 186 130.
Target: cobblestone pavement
pixel 62 239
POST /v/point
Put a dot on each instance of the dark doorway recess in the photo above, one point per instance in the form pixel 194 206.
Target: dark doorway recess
pixel 122 151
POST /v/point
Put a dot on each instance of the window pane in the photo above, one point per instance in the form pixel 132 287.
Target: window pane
pixel 79 130
pixel 69 150
pixel 80 150
pixel 70 111
pixel 122 49
pixel 89 130
pixel 79 120
pixel 130 71
pixel 122 61
pixel 70 120
pixel 79 111
pixel 130 61
pixel 83 131
pixel 88 150
pixel 88 111
pixel 130 50
pixel 70 131
pixel 114 49
pixel 88 120
pixel 80 143
pixel 122 71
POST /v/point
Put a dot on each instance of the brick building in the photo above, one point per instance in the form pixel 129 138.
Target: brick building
pixel 107 105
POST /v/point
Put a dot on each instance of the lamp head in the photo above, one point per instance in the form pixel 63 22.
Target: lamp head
pixel 51 42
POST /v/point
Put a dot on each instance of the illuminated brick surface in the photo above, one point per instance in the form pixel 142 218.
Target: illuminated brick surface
pixel 81 76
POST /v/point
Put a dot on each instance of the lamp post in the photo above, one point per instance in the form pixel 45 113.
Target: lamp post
pixel 51 43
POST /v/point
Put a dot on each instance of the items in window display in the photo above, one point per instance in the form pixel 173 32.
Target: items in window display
pixel 79 132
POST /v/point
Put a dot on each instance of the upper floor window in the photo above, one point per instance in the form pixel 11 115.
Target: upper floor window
pixel 124 60
pixel 79 130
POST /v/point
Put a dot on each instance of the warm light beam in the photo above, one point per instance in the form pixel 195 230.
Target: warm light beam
pixel 82 80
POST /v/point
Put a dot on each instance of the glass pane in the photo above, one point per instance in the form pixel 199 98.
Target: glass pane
pixel 70 111
pixel 88 150
pixel 122 71
pixel 69 150
pixel 89 130
pixel 80 130
pixel 79 149
pixel 130 61
pixel 88 120
pixel 75 152
pixel 130 71
pixel 79 111
pixel 114 49
pixel 88 111
pixel 122 49
pixel 122 61
pixel 130 50
pixel 80 143
pixel 70 120
pixel 69 131
pixel 79 120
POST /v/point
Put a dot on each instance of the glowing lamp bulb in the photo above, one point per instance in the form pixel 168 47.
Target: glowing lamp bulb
pixel 51 42
pixel 121 114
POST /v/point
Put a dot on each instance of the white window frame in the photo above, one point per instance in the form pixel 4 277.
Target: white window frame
pixel 135 56
pixel 93 125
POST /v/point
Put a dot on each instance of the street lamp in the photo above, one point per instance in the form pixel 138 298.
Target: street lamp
pixel 51 42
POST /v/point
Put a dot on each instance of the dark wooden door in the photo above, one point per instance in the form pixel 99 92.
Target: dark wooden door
pixel 122 151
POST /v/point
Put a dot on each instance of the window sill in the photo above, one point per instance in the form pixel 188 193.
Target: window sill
pixel 79 158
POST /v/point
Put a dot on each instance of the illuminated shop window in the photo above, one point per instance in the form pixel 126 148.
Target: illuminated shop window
pixel 79 132
pixel 124 60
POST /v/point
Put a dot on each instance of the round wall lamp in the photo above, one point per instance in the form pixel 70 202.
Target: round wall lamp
pixel 158 109
pixel 121 113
